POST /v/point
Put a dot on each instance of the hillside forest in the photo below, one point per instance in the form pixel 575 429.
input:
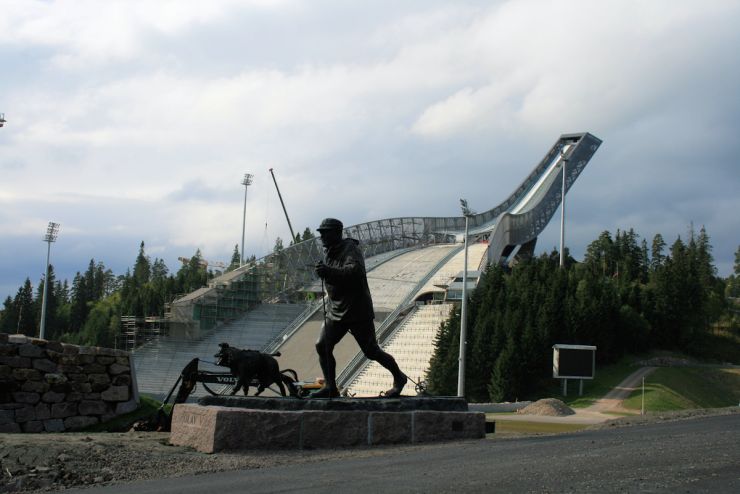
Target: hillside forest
pixel 625 298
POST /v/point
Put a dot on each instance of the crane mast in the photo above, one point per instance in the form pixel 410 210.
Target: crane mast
pixel 292 234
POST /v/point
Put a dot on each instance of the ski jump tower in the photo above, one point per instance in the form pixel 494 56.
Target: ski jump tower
pixel 287 275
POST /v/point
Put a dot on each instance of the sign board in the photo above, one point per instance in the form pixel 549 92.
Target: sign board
pixel 573 361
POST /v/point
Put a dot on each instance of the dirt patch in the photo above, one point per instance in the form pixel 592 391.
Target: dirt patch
pixel 550 407
pixel 51 462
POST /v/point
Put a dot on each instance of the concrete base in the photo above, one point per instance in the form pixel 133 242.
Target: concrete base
pixel 210 429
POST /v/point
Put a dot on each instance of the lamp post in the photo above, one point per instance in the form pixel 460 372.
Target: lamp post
pixel 52 231
pixel 463 310
pixel 246 182
pixel 562 209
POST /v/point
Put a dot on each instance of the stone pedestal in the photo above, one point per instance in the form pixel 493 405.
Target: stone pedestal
pixel 285 423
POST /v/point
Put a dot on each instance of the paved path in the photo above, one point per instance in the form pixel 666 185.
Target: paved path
pixel 612 402
pixel 600 411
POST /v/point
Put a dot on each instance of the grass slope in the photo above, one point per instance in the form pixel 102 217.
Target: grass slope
pixel 668 388
pixel 681 388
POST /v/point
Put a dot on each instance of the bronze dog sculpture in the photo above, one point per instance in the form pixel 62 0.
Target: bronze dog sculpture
pixel 249 365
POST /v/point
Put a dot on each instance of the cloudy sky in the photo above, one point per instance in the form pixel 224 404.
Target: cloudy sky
pixel 135 120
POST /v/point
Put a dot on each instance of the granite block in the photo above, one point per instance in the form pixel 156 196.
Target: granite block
pixel 447 426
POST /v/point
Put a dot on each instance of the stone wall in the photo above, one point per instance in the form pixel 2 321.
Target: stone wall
pixel 54 387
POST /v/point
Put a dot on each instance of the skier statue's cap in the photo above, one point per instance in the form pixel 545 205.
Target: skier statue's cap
pixel 330 224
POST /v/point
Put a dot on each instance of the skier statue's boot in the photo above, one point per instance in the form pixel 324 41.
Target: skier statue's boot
pixel 326 391
pixel 399 381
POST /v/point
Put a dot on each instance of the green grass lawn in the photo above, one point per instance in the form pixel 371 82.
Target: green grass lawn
pixel 682 388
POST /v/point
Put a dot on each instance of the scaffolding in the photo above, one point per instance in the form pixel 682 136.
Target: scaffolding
pixel 135 331
pixel 228 301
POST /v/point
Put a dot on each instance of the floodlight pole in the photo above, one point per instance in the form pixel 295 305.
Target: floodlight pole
pixel 562 210
pixel 52 231
pixel 246 182
pixel 463 310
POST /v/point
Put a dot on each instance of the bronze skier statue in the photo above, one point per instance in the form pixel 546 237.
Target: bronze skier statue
pixel 349 308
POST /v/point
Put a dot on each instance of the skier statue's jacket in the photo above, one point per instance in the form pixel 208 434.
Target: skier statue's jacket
pixel 346 283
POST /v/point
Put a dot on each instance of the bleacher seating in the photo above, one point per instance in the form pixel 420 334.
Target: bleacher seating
pixel 412 345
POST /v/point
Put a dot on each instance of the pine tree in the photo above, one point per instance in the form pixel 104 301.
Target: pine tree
pixel 657 257
pixel 235 259
pixel 8 316
pixel 680 299
pixel 142 267
pixel 62 316
pixel 24 301
pixel 733 282
pixel 79 303
pixel 644 261
pixel 93 282
pixel 159 270
pixel 278 247
pixel 504 384
pixel 192 275
pixel 443 366
pixel 486 332
pixel 600 256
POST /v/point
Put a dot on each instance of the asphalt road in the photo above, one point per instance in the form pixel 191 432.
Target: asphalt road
pixel 694 455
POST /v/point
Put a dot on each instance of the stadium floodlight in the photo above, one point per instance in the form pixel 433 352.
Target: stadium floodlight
pixel 52 232
pixel 564 160
pixel 467 212
pixel 246 182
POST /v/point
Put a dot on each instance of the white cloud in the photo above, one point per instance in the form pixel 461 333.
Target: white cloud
pixel 84 32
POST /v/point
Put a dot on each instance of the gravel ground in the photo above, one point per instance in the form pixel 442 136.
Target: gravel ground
pixel 50 462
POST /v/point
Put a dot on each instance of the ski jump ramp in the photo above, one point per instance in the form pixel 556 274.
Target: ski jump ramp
pixel 287 276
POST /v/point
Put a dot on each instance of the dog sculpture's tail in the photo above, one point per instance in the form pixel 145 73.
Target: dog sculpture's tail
pixel 289 378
